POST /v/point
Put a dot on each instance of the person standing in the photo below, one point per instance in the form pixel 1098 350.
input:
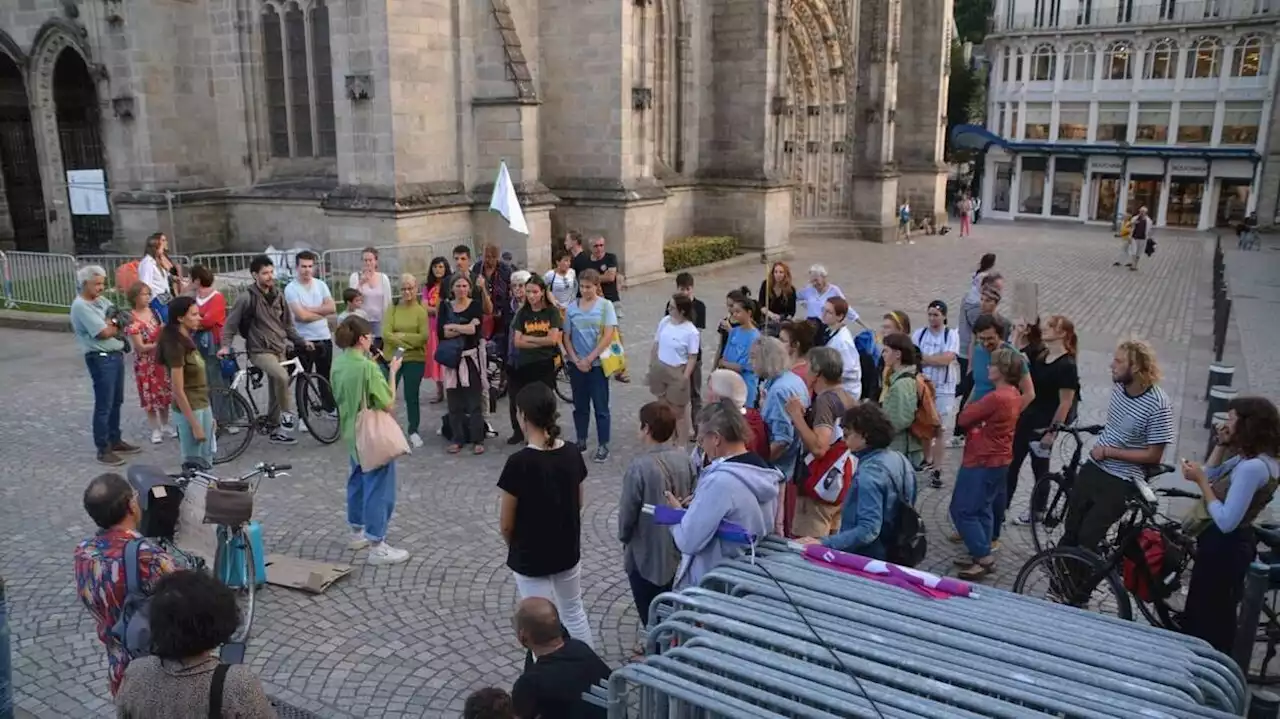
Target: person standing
pixel 579 258
pixel 312 305
pixel 154 393
pixel 432 293
pixel 988 302
pixel 904 221
pixel 684 287
pixel 591 325
pixel 155 270
pixel 404 327
pixel 371 494
pixel 743 333
pixel 836 316
pixel 817 293
pixel 176 351
pixel 497 285
pixel 901 395
pixel 541 511
pixel 675 353
pixel 536 331
pixel 611 284
pixel 778 386
pixel 939 346
pixel 1138 236
pixel 1052 355
pixel 101 338
pixel 459 324
pixel 777 297
pixel 213 318
pixel 562 281
pixel 818 427
pixel 462 266
pixel 375 287
pixel 261 314
pixel 966 215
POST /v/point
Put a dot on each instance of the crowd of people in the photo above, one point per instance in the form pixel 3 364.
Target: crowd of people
pixel 810 425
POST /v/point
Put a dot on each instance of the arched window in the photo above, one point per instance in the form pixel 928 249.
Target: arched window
pixel 1118 63
pixel 1250 60
pixel 299 74
pixel 1161 59
pixel 1044 63
pixel 1205 58
pixel 1081 59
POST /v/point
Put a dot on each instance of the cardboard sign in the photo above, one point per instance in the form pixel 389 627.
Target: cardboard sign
pixel 305 574
pixel 1026 302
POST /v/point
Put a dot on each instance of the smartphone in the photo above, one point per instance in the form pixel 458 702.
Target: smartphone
pixel 399 353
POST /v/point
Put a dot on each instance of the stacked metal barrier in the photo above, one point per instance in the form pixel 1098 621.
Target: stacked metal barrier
pixel 737 646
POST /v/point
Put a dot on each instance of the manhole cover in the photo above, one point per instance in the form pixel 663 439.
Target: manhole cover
pixel 288 711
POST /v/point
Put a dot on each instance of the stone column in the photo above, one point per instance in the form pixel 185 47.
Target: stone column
pixel 874 190
pixel 922 106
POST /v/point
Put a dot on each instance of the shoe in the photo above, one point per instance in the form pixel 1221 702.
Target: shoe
pixel 935 478
pixel 602 454
pixel 125 448
pixel 963 560
pixel 358 541
pixel 233 430
pixel 383 553
pixel 582 445
pixel 1025 519
pixel 279 437
pixel 288 421
pixel 955 538
pixel 995 544
pixel 157 437
pixel 956 442
pixel 515 439
pixel 977 570
pixel 1115 264
pixel 109 458
pixel 170 432
pixel 415 440
pixel 489 431
pixel 623 377
pixel 439 431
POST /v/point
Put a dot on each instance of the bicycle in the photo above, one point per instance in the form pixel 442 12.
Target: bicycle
pixel 234 542
pixel 238 419
pixel 1051 493
pixel 1064 565
pixel 1267 637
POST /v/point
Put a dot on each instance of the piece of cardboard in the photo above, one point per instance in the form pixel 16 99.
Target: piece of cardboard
pixel 305 574
pixel 1026 302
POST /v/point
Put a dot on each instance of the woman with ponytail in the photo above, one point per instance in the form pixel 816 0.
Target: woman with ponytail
pixel 176 351
pixel 541 510
pixel 745 315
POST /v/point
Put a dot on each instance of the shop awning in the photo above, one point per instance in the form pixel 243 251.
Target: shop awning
pixel 980 139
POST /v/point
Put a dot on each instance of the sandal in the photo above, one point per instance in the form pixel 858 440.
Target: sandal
pixel 478 449
pixel 977 570
pixel 454 448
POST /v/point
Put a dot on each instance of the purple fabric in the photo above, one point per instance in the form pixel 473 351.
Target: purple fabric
pixel 728 531
pixel 945 585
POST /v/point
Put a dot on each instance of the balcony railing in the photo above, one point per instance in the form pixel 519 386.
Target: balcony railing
pixel 1138 13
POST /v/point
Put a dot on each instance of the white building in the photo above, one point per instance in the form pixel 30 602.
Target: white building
pixel 1097 108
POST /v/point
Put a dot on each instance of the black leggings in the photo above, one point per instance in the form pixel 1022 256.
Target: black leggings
pixel 1217 585
pixel 518 378
pixel 1022 438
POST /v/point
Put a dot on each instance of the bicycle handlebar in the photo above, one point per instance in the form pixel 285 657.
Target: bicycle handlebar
pixel 190 471
pixel 1076 430
pixel 1179 493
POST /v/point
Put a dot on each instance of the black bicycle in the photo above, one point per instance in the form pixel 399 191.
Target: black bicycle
pixel 496 371
pixel 237 417
pixel 1051 493
pixel 1119 572
pixel 1267 639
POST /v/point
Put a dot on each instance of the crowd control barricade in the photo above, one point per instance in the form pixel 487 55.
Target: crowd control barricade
pixel 789 635
pixel 393 261
pixel 38 279
pixel 231 273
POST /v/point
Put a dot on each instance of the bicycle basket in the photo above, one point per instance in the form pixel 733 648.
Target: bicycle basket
pixel 229 503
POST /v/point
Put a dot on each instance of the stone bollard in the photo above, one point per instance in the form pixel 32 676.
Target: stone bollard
pixel 1220 375
pixel 1218 399
pixel 1264 705
pixel 1218 419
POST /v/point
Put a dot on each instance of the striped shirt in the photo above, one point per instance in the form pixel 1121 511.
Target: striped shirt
pixel 1135 423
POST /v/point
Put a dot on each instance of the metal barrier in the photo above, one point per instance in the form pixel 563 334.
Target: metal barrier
pixel 113 262
pixel 780 635
pixel 393 260
pixel 38 279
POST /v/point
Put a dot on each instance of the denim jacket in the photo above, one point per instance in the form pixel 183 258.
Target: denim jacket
pixel 869 510
pixel 774 413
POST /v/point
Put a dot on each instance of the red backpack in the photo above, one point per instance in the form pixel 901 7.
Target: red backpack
pixel 1163 561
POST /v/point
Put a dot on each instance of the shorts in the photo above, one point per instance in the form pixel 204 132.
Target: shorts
pixel 944 404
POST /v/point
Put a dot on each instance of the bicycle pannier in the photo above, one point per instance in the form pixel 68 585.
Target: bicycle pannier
pixel 229 503
pixel 1151 573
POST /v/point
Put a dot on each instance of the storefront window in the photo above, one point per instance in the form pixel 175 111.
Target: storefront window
pixel 1113 121
pixel 1153 122
pixel 1038 116
pixel 1073 121
pixel 1003 187
pixel 1031 193
pixel 1144 191
pixel 1195 123
pixel 1068 185
pixel 1185 198
pixel 1233 198
pixel 1240 121
pixel 1106 197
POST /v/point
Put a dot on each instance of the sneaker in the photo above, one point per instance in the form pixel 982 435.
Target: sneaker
pixel 109 458
pixel 602 454
pixel 288 421
pixel 977 570
pixel 358 541
pixel 489 431
pixel 1025 519
pixel 125 448
pixel 281 437
pixel 415 440
pixel 515 439
pixel 956 442
pixel 157 437
pixel 171 432
pixel 582 445
pixel 383 553
pixel 233 430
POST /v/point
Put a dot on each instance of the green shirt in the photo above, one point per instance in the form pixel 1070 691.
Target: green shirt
pixel 535 323
pixel 356 378
pixel 90 318
pixel 195 384
pixel 409 324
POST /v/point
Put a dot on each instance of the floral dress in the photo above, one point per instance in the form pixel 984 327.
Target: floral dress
pixel 431 298
pixel 153 378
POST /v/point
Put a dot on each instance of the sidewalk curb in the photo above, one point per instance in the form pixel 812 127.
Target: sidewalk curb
pixel 39 321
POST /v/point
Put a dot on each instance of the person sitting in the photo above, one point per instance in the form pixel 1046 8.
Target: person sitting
pixel 488 703
pixel 563 668
pixel 192 614
pixel 100 563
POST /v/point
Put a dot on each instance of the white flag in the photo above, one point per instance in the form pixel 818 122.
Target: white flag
pixel 506 203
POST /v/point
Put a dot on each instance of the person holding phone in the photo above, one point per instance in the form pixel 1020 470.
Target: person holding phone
pixel 404 332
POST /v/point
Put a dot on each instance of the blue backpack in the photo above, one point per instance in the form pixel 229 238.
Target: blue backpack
pixel 133 627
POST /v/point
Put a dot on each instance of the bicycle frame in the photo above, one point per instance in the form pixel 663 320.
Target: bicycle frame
pixel 242 379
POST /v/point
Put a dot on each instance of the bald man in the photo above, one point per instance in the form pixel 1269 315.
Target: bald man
pixel 563 668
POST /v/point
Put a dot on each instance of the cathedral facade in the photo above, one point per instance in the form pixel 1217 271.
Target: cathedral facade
pixel 235 124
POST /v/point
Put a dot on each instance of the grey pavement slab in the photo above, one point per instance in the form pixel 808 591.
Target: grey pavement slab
pixel 415 639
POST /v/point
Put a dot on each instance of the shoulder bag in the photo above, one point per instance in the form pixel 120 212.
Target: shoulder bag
pixel 613 359
pixel 379 439
pixel 449 351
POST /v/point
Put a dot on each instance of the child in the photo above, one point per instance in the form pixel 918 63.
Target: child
pixel 354 301
pixel 684 288
pixel 988 451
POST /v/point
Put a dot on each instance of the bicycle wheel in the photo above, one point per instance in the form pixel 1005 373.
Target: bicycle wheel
pixel 1049 498
pixel 1266 643
pixel 564 390
pixel 233 424
pixel 316 408
pixel 1058 575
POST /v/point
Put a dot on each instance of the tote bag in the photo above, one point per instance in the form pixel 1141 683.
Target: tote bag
pixel 613 359
pixel 379 439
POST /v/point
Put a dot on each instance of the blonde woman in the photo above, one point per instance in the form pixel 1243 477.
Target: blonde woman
pixel 404 327
pixel 375 287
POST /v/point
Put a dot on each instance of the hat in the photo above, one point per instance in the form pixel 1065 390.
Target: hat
pixel 519 277
pixel 940 306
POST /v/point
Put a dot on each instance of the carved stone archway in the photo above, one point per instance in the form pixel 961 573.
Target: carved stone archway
pixel 22 215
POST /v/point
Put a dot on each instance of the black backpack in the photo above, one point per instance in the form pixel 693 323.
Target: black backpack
pixel 908 545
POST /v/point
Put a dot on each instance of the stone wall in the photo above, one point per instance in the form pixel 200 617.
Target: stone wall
pixel 1268 203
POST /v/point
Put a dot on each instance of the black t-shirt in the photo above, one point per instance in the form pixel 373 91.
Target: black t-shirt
pixel 535 323
pixel 449 316
pixel 580 263
pixel 608 262
pixel 783 305
pixel 552 687
pixel 1049 378
pixel 548 534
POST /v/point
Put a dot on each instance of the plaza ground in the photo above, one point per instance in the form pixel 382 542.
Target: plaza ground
pixel 413 640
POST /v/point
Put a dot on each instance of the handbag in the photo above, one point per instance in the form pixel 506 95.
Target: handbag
pixel 613 359
pixel 379 439
pixel 449 351
pixel 228 503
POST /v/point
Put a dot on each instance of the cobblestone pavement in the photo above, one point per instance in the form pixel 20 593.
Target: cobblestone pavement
pixel 1253 280
pixel 413 640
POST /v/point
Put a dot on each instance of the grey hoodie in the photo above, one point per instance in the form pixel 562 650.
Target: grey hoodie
pixel 742 490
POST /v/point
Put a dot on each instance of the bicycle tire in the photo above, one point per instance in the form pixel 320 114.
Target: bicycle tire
pixel 1052 562
pixel 1047 522
pixel 309 392
pixel 235 428
pixel 564 390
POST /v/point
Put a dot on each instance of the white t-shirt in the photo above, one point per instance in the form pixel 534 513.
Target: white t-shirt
pixel 313 294
pixel 676 342
pixel 944 379
pixel 842 342
pixel 150 274
pixel 814 300
pixel 563 288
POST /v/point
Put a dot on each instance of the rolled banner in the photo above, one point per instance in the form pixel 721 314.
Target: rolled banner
pixel 728 531
pixel 946 585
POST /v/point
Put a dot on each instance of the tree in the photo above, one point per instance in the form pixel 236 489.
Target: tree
pixel 971 18
pixel 966 96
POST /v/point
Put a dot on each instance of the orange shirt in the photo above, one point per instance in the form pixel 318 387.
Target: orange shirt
pixel 989 425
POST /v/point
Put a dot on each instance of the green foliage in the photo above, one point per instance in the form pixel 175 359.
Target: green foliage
pixel 971 19
pixel 694 251
pixel 966 97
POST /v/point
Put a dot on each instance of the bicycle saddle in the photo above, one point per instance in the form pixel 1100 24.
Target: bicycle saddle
pixel 1151 471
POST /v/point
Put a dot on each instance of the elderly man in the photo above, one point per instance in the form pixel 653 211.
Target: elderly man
pixel 562 668
pixel 100 335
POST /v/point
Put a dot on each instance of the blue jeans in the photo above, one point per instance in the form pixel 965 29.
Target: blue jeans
pixel 106 369
pixel 371 498
pixel 972 506
pixel 191 449
pixel 590 389
pixel 160 306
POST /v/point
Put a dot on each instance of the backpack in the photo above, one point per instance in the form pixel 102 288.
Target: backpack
pixel 908 545
pixel 246 321
pixel 127 275
pixel 927 421
pixel 1164 561
pixel 829 477
pixel 869 360
pixel 133 627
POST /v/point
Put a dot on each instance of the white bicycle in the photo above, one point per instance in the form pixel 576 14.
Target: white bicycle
pixel 237 417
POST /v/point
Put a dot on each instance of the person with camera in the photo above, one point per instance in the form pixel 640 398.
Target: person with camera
pixel 99 330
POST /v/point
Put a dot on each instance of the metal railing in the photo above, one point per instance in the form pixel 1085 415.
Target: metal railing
pixel 1138 13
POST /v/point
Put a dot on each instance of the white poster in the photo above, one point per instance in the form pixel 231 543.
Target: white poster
pixel 87 190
